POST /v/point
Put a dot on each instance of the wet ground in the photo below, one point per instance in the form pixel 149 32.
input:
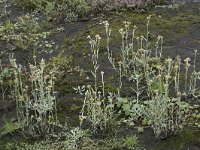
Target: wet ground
pixel 180 28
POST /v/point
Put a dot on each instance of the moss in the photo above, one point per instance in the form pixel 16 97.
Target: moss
pixel 187 137
pixel 10 142
pixel 68 112
pixel 110 88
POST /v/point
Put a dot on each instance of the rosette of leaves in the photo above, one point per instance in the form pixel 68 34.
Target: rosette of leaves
pixel 131 109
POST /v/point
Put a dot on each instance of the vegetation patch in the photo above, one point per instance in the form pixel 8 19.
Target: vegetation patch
pixel 103 84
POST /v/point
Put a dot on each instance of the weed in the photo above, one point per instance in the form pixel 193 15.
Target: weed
pixel 35 100
pixel 143 64
pixel 4 5
pixel 97 107
pixel 10 128
pixel 69 10
pixel 26 34
pixel 165 115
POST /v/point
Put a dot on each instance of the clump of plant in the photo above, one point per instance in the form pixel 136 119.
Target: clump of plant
pixel 196 116
pixel 4 4
pixel 5 84
pixel 4 72
pixel 141 62
pixel 110 4
pixel 36 4
pixel 26 34
pixel 69 10
pixel 127 142
pixel 72 9
pixel 79 139
pixel 134 3
pixel 34 96
pixel 73 139
pixel 136 55
pixel 10 128
pixel 37 145
pixel 167 116
pixel 98 107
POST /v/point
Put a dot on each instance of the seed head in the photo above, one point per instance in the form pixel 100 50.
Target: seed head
pixel 42 62
pixel 121 31
pixel 98 37
pixel 187 60
pixel 88 37
pixel 168 60
pixel 149 17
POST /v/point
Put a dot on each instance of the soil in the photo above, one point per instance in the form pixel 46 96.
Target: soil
pixel 181 31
